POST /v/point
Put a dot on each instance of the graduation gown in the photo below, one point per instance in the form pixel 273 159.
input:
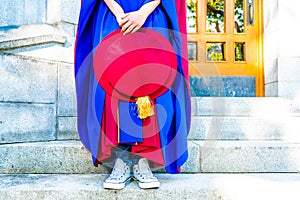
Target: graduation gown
pixel 104 121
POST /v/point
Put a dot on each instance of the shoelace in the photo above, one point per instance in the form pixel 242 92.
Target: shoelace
pixel 145 175
pixel 116 174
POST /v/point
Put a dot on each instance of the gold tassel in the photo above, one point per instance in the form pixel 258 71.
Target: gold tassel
pixel 145 108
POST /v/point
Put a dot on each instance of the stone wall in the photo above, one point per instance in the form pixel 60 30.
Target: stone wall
pixel 27 99
pixel 18 12
pixel 282 52
pixel 271 47
pixel 63 13
pixel 289 51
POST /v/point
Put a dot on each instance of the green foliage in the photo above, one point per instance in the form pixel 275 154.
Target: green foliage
pixel 239 51
pixel 191 13
pixel 239 16
pixel 215 51
pixel 215 16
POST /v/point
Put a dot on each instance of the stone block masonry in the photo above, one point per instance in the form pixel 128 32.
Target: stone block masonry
pixel 18 12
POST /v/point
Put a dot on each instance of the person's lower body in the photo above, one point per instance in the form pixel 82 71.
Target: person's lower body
pixel 121 173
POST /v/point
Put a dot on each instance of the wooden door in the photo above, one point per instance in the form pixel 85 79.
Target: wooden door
pixel 225 39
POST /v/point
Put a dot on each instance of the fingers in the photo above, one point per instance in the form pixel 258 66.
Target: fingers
pixel 130 23
pixel 135 29
pixel 125 26
pixel 130 29
pixel 128 26
pixel 122 19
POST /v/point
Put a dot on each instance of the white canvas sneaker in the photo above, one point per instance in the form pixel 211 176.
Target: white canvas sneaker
pixel 119 176
pixel 142 173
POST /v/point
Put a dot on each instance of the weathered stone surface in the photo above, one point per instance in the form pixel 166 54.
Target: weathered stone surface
pixel 46 157
pixel 65 157
pixel 27 122
pixel 35 11
pixel 193 186
pixel 271 44
pixel 289 69
pixel 193 163
pixel 27 80
pixel 53 11
pixel 27 35
pixel 66 90
pixel 67 128
pixel 63 10
pixel 258 107
pixel 70 30
pixel 55 54
pixel 271 89
pixel 215 156
pixel 289 89
pixel 244 157
pixel 65 13
pixel 38 40
pixel 271 72
pixel 288 15
pixel 70 11
pixel 17 12
pixel 269 127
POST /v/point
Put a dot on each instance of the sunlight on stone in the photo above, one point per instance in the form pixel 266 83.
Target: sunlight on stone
pixel 55 53
pixel 249 188
pixel 256 128
pixel 53 13
pixel 274 119
pixel 275 111
pixel 291 129
pixel 295 157
pixel 297 99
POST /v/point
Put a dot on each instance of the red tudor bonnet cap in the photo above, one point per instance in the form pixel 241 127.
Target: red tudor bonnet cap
pixel 134 65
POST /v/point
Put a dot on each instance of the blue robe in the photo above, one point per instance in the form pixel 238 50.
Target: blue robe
pixel 95 22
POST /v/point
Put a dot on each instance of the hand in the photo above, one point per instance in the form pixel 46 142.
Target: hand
pixel 119 18
pixel 132 22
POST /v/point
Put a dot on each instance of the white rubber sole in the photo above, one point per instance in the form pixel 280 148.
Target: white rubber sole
pixel 150 185
pixel 115 186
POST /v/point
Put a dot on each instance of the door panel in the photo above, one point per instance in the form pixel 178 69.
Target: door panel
pixel 225 39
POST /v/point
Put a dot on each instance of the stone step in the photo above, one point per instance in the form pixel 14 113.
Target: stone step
pixel 284 128
pixel 249 156
pixel 219 128
pixel 192 186
pixel 220 118
pixel 63 157
pixel 57 54
pixel 262 107
pixel 46 157
pixel 245 128
pixel 15 37
pixel 205 156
